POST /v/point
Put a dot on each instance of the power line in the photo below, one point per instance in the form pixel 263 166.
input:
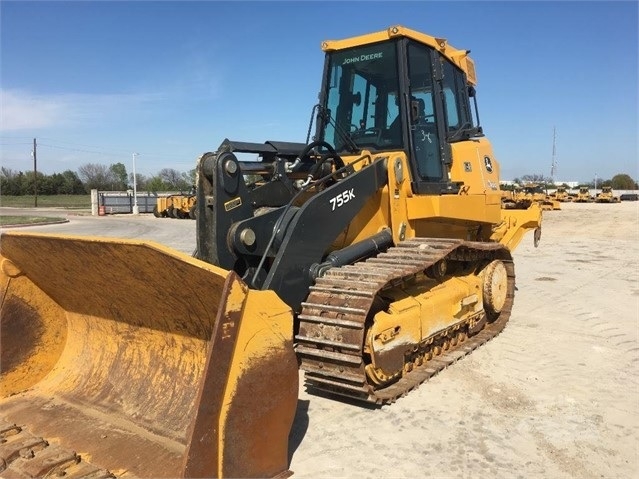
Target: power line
pixel 113 153
pixel 107 150
pixel 95 152
pixel 179 161
pixel 92 147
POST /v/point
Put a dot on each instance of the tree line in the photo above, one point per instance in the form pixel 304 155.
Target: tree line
pixel 621 181
pixel 116 178
pixel 92 176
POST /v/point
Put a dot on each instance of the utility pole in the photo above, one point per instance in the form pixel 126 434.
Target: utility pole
pixel 136 210
pixel 553 168
pixel 35 175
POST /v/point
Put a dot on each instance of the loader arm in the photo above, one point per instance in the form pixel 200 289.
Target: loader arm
pixel 223 197
pixel 273 248
pixel 310 232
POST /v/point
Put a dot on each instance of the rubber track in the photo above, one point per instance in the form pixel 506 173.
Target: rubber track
pixel 23 455
pixel 332 322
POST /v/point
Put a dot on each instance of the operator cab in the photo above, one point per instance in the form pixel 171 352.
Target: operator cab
pixel 398 94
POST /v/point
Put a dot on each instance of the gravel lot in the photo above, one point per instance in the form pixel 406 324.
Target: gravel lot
pixel 555 395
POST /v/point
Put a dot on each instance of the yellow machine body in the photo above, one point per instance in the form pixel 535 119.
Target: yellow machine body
pixel 476 213
pixel 450 274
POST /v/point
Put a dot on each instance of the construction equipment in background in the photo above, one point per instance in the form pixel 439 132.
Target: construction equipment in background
pixel 515 199
pixel 522 197
pixel 178 206
pixel 161 209
pixel 552 202
pixel 534 193
pixel 187 207
pixel 376 255
pixel 561 195
pixel 583 195
pixel 507 198
pixel 606 196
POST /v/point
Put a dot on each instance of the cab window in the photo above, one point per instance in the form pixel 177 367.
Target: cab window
pixel 362 98
pixel 456 103
pixel 426 151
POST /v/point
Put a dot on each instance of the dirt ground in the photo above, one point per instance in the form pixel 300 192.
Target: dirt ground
pixel 555 395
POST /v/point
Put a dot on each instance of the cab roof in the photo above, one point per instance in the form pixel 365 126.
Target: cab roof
pixel 458 57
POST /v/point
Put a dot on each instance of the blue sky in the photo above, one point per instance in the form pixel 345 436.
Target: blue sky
pixel 96 81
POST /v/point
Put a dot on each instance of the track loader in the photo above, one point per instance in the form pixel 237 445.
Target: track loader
pixel 606 196
pixel 533 192
pixel 372 256
pixel 561 195
pixel 583 195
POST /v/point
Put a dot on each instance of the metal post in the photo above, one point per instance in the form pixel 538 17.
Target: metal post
pixel 35 175
pixel 553 168
pixel 136 210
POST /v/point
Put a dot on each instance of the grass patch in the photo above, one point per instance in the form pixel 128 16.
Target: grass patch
pixel 26 220
pixel 48 201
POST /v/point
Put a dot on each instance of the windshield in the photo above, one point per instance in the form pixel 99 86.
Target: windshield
pixel 362 98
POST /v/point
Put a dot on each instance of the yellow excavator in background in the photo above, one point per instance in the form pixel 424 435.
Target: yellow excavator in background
pixel 372 256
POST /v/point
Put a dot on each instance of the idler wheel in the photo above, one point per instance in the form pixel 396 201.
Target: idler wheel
pixel 495 287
